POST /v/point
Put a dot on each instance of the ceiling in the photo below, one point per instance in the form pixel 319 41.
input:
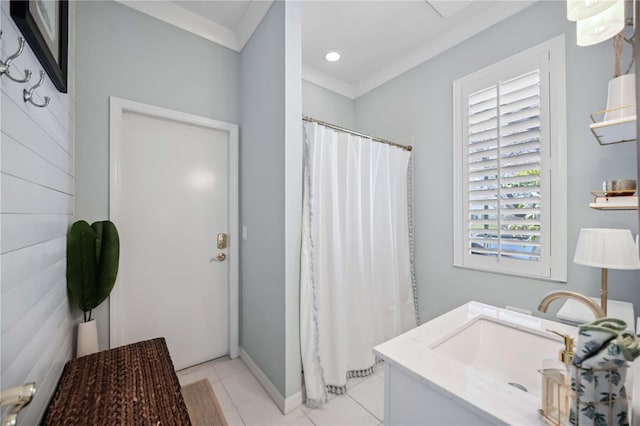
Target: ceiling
pixel 378 40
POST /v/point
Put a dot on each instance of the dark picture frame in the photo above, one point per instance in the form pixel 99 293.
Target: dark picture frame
pixel 47 35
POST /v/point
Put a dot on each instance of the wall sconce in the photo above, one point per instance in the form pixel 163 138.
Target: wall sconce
pixel 583 9
pixel 597 20
pixel 606 249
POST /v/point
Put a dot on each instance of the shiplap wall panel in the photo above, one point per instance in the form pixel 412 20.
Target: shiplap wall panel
pixel 20 231
pixel 16 124
pixel 37 205
pixel 21 299
pixel 21 346
pixel 54 364
pixel 47 122
pixel 21 196
pixel 33 167
pixel 19 265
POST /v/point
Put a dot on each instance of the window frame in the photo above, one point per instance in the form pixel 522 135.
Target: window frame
pixel 549 58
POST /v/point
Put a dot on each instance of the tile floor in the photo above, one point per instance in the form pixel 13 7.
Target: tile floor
pixel 245 402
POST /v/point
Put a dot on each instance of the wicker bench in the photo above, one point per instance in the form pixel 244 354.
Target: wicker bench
pixel 130 385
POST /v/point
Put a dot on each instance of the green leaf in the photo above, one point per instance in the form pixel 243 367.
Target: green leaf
pixel 81 264
pixel 108 255
pixel 93 253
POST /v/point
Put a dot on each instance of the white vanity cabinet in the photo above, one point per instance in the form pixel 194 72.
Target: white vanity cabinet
pixel 411 401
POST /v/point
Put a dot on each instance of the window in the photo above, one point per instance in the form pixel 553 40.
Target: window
pixel 509 165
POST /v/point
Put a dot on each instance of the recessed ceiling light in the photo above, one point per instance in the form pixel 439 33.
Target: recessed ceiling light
pixel 332 56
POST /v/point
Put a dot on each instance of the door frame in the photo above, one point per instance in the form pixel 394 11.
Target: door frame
pixel 117 107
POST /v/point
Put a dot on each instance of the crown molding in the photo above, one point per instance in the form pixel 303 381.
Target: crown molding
pixel 195 24
pixel 321 79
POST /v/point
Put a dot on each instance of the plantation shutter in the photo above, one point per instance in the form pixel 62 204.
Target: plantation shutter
pixel 509 165
pixel 504 169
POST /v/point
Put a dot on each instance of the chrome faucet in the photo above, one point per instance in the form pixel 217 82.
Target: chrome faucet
pixel 563 294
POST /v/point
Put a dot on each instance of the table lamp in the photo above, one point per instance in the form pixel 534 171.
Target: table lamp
pixel 607 249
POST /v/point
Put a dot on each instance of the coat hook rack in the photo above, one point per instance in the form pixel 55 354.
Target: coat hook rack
pixel 4 65
pixel 28 94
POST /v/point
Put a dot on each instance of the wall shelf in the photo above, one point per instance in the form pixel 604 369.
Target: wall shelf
pixel 612 131
pixel 614 203
pixel 599 206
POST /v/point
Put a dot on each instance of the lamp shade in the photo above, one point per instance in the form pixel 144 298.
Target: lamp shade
pixel 602 26
pixel 607 248
pixel 583 9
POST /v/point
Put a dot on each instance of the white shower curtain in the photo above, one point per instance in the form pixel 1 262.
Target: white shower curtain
pixel 357 288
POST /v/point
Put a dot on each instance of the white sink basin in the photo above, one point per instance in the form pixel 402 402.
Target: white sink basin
pixel 456 368
pixel 502 350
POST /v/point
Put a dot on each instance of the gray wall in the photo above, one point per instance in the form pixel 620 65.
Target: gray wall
pixel 262 196
pixel 37 187
pixel 425 96
pixel 124 53
pixel 293 195
pixel 325 105
pixel 268 79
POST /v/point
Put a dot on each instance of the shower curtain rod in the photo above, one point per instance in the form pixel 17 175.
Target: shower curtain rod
pixel 342 129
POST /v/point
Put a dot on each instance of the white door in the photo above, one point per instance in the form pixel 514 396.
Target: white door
pixel 172 184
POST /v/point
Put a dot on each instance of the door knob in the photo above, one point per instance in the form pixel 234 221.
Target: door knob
pixel 219 258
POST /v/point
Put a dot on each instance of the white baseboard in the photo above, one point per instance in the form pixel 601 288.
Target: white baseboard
pixel 285 405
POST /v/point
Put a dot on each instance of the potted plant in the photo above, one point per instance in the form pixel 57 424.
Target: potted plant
pixel 93 253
